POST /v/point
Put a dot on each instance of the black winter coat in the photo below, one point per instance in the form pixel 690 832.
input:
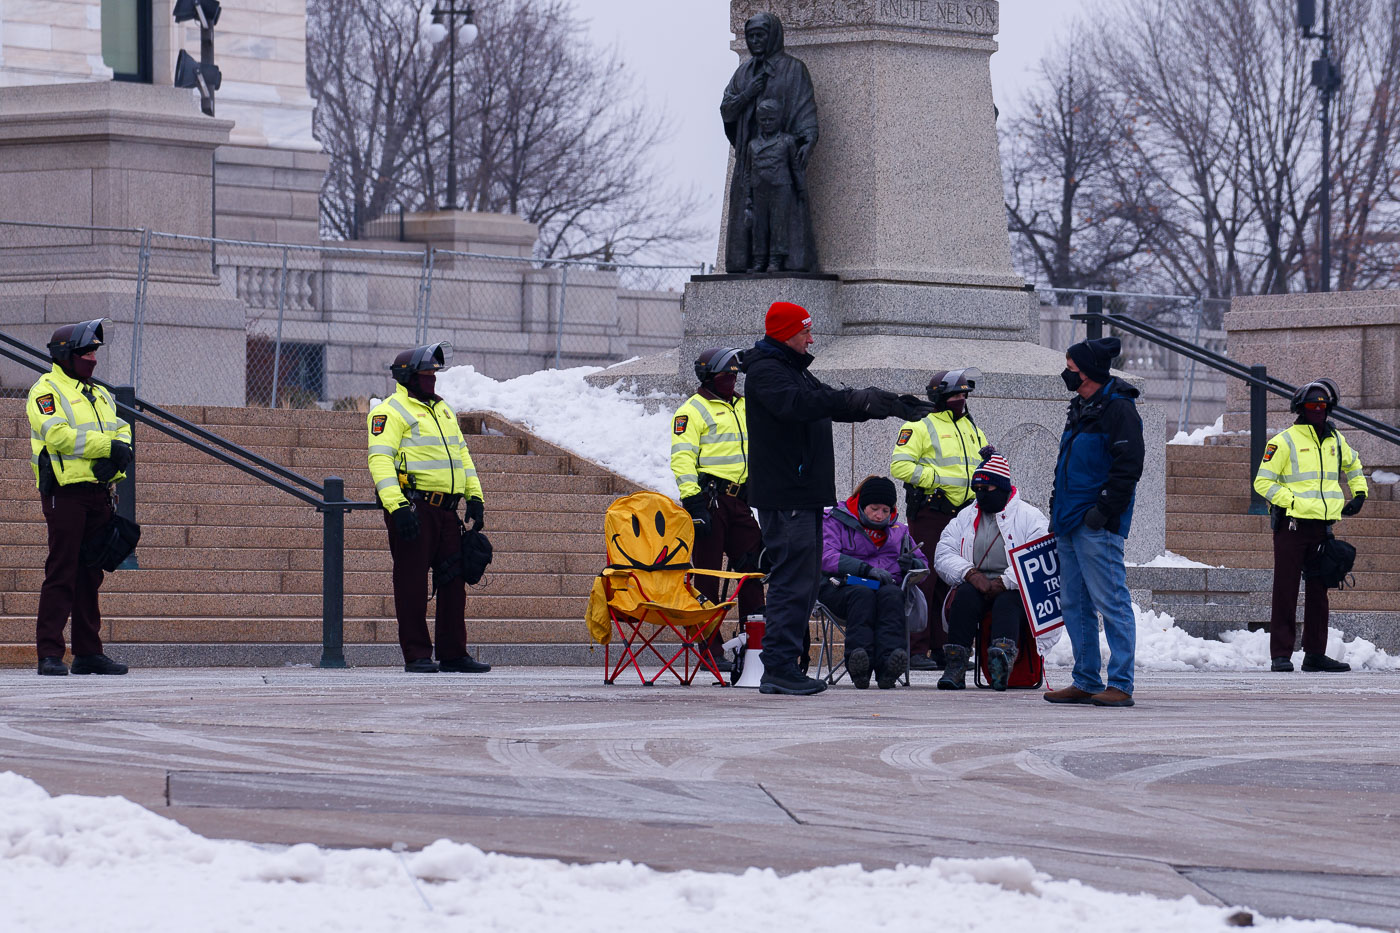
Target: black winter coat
pixel 791 465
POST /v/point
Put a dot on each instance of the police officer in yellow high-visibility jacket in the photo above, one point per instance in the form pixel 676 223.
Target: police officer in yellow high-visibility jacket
pixel 421 470
pixel 78 449
pixel 1301 475
pixel 935 458
pixel 710 459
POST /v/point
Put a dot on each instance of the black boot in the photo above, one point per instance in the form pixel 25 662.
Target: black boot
pixel 1001 657
pixel 53 667
pixel 858 663
pixel 922 662
pixel 895 666
pixel 97 664
pixel 421 666
pixel 954 668
pixel 1281 665
pixel 466 664
pixel 791 681
pixel 1311 663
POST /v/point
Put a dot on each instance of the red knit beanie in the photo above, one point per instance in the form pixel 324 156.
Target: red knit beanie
pixel 785 320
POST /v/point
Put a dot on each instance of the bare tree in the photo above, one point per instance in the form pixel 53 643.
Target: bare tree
pixel 548 127
pixel 1078 213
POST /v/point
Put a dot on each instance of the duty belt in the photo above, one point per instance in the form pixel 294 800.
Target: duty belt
pixel 443 500
pixel 727 487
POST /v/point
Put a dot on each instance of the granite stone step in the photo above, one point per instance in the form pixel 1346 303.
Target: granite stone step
pixel 118 630
pixel 505 578
pixel 1364 524
pixel 287 606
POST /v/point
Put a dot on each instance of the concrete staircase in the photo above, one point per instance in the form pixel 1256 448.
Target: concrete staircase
pixel 1208 520
pixel 230 568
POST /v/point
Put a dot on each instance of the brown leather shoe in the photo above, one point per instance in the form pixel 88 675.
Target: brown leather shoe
pixel 1113 697
pixel 1070 694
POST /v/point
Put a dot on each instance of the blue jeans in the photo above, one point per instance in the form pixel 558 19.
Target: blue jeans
pixel 1092 577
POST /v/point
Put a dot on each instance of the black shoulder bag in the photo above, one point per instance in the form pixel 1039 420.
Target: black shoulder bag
pixel 1331 559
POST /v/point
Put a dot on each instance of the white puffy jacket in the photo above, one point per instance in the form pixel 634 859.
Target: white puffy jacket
pixel 1019 522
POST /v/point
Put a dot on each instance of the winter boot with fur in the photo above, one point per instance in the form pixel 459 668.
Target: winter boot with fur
pixel 1001 657
pixel 954 668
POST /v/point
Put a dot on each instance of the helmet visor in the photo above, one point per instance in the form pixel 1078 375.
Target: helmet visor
pixel 88 335
pixel 960 380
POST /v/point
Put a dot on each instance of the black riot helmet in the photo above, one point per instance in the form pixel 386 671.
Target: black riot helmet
pixel 952 382
pixel 717 360
pixel 425 359
pixel 1318 390
pixel 72 340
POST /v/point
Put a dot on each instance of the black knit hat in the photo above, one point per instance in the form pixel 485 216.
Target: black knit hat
pixel 1093 357
pixel 876 491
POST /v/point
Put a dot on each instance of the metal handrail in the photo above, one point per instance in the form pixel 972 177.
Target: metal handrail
pixel 1256 377
pixel 327 498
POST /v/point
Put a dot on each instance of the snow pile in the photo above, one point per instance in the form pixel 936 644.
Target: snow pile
pixel 1162 646
pixel 1198 437
pixel 1385 478
pixel 607 425
pixel 1172 559
pixel 137 871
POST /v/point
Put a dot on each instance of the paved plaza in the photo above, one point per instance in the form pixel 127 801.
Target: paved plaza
pixel 1277 791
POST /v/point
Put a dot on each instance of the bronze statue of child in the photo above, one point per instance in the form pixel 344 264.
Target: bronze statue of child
pixel 775 182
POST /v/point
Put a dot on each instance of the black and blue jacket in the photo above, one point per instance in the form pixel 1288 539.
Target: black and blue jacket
pixel 1100 462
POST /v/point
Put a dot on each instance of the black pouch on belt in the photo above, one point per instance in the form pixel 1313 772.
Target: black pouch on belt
pixel 111 544
pixel 476 555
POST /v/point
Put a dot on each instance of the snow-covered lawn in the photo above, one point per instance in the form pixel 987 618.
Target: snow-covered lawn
pixel 105 863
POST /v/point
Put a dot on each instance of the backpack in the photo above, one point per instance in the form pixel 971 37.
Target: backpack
pixel 111 544
pixel 1330 560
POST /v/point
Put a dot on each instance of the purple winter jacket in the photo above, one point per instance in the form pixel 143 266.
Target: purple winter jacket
pixel 842 535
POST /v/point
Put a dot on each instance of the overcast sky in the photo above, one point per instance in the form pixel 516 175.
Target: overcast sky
pixel 679 49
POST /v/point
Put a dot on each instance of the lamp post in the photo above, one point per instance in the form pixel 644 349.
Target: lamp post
pixel 1327 78
pixel 444 26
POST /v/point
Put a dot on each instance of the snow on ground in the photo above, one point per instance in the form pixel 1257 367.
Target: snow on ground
pixel 1198 437
pixel 107 863
pixel 1172 559
pixel 1162 646
pixel 607 425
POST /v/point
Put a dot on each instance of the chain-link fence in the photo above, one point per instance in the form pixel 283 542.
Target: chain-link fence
pixel 226 322
pixel 1192 395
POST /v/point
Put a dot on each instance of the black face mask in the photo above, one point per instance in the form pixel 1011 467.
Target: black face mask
pixel 1073 380
pixel 992 500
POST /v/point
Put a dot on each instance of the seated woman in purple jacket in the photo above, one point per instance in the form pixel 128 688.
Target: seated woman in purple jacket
pixel 862 539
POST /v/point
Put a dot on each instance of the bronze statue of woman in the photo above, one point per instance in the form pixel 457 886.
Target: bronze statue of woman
pixel 770 73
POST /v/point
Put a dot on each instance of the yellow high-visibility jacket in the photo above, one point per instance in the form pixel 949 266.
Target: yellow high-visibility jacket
pixel 413 445
pixel 937 452
pixel 709 435
pixel 75 423
pixel 1299 473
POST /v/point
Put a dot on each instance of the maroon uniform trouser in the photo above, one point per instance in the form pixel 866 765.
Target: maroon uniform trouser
pixel 1290 550
pixel 734 532
pixel 439 537
pixel 926 528
pixel 73 514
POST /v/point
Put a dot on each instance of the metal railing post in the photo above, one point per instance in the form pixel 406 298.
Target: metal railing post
pixel 126 489
pixel 281 310
pixel 559 327
pixel 1093 330
pixel 1188 389
pixel 425 297
pixel 333 575
pixel 1258 434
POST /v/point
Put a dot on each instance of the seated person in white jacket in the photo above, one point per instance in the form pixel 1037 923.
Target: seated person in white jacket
pixel 972 558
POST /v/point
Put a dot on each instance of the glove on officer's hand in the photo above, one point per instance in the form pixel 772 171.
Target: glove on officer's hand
pixel 1354 506
pixel 105 470
pixel 912 408
pixel 121 455
pixel 406 523
pixel 979 581
pixel 699 514
pixel 877 403
pixel 476 513
pixel 1094 519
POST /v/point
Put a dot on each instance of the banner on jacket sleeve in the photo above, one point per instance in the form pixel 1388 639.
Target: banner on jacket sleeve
pixel 1037 568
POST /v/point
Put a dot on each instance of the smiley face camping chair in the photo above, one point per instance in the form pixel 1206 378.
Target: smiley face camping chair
pixel 829 623
pixel 646 592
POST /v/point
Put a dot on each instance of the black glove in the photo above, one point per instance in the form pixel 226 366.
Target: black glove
pixel 912 408
pixel 877 573
pixel 907 562
pixel 1094 519
pixel 699 514
pixel 120 455
pixel 476 513
pixel 1351 508
pixel 104 469
pixel 406 523
pixel 877 403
